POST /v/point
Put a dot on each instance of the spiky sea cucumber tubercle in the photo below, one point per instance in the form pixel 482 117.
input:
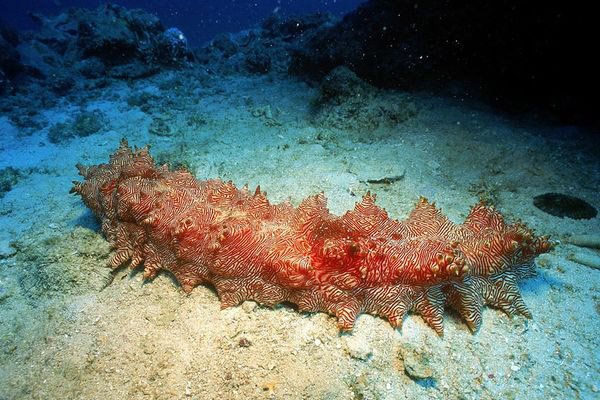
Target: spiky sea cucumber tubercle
pixel 361 262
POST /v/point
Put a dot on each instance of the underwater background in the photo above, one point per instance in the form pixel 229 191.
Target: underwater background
pixel 200 20
pixel 494 102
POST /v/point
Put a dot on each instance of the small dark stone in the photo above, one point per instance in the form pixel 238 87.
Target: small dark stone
pixel 224 43
pixel 258 62
pixel 61 84
pixel 562 205
pixel 92 68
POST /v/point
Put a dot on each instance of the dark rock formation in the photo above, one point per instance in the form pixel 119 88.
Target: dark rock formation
pixel 10 60
pixel 107 41
pixel 521 56
pixel 265 48
pixel 346 102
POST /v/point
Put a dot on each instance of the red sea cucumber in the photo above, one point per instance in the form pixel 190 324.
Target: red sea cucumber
pixel 362 262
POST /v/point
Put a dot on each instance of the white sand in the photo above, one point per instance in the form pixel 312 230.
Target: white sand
pixel 141 340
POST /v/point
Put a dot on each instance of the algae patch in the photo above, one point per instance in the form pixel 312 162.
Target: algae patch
pixel 9 177
pixel 55 264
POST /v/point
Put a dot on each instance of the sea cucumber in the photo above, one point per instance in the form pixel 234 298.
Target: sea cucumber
pixel 361 262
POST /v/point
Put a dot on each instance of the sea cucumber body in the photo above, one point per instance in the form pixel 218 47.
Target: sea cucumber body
pixel 361 262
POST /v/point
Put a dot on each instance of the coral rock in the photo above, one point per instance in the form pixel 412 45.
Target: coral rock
pixel 361 262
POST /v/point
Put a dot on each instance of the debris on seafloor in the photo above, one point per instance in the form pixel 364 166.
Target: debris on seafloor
pixel 386 180
pixel 416 363
pixel 563 205
pixel 591 241
pixel 358 347
pixel 588 259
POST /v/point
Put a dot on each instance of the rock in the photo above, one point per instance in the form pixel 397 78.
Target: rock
pixel 416 363
pixel 109 40
pixel 114 34
pixel 171 48
pixel 295 27
pixel 148 346
pixel 5 292
pixel 223 43
pixel 133 70
pixel 6 250
pixel 258 62
pixel 10 60
pixel 60 83
pixel 358 347
pixel 262 49
pixel 514 56
pixel 92 68
pixel 6 86
pixel 347 102
pixel 249 306
pixel 341 84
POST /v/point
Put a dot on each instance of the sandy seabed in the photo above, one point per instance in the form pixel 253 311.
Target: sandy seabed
pixel 69 329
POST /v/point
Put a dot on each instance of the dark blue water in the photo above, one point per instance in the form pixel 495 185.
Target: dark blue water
pixel 200 20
